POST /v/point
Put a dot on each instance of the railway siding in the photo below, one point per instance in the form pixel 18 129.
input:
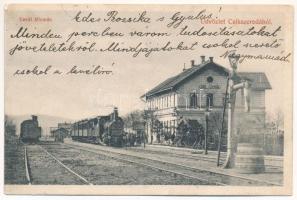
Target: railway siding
pixel 76 163
pixel 104 170
pixel 45 170
pixel 228 176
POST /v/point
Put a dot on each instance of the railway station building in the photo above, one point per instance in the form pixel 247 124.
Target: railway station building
pixel 202 87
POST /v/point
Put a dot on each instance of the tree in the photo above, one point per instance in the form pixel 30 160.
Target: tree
pixel 157 127
pixel 154 124
pixel 198 135
pixel 216 119
pixel 9 126
pixel 279 119
pixel 134 116
pixel 8 121
pixel 274 134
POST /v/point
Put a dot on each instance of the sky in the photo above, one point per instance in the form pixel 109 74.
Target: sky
pixel 81 96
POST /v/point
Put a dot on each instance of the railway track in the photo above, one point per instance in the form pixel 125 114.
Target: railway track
pixel 197 157
pixel 27 166
pixel 42 167
pixel 104 169
pixel 208 176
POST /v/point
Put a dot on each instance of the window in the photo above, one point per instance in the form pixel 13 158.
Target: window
pixel 209 79
pixel 209 100
pixel 174 100
pixel 193 100
pixel 167 104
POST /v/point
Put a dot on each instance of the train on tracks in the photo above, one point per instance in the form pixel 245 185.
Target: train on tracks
pixel 30 130
pixel 107 129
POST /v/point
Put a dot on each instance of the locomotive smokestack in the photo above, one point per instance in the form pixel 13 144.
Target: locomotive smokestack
pixel 34 117
pixel 115 113
pixel 192 63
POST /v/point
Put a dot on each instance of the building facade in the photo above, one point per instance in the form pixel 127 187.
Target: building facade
pixel 199 88
pixel 60 133
pixel 64 126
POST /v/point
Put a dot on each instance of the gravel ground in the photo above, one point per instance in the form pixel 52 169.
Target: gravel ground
pixel 15 172
pixel 45 170
pixel 273 165
pixel 102 170
pixel 212 177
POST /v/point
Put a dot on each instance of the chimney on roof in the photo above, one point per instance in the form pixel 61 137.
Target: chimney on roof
pixel 34 117
pixel 211 59
pixel 192 63
pixel 202 59
pixel 184 67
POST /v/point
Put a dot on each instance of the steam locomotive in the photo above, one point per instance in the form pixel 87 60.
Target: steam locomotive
pixel 30 130
pixel 107 129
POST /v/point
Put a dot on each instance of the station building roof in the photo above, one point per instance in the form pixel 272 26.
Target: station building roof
pixel 258 79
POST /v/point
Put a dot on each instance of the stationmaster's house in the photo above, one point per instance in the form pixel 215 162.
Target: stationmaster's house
pixel 199 88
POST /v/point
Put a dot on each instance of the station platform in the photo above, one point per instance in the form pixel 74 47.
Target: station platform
pixel 276 161
pixel 273 164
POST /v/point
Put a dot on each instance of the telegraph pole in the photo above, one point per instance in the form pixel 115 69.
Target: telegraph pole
pixel 222 127
pixel 143 134
pixel 207 112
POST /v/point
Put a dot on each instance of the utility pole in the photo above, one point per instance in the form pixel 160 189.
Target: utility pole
pixel 207 112
pixel 143 136
pixel 222 126
pixel 143 133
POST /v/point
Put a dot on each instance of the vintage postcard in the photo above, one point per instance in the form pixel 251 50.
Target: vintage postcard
pixel 148 99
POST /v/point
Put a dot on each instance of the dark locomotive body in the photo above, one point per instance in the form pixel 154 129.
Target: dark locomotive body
pixel 102 129
pixel 30 130
pixel 113 132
